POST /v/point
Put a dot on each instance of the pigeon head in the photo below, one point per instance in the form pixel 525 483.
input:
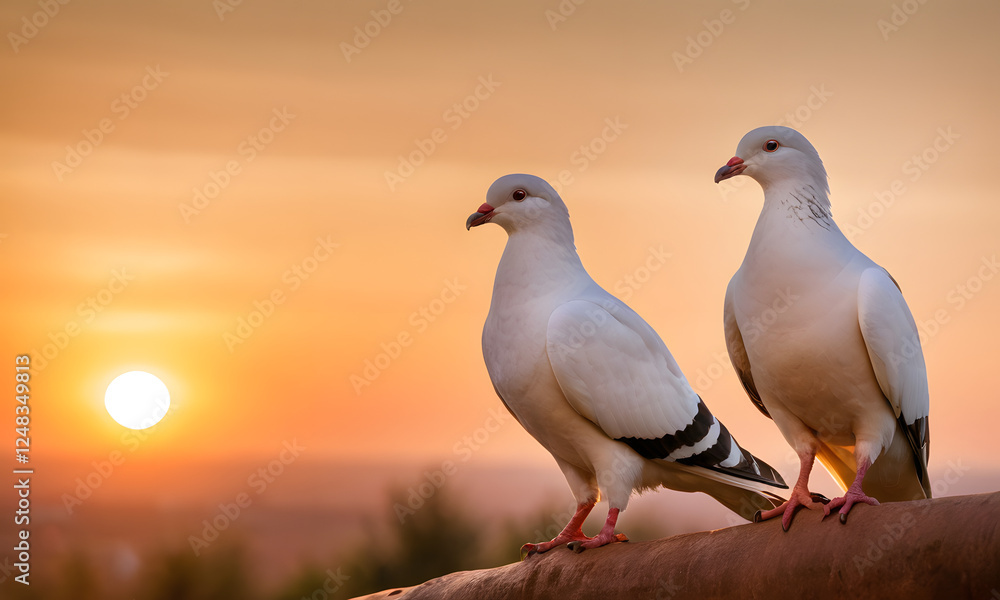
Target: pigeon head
pixel 774 155
pixel 519 201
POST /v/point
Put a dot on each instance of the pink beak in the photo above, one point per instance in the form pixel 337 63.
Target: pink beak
pixel 479 217
pixel 732 168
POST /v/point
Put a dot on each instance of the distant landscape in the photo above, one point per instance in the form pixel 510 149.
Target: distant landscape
pixel 320 524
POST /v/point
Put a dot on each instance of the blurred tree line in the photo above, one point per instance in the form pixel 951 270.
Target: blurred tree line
pixel 436 539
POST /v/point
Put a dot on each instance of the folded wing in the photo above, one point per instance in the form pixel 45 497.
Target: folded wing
pixel 616 371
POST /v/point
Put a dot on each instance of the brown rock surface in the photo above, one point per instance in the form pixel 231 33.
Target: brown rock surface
pixel 941 548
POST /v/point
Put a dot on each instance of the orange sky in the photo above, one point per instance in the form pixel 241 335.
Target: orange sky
pixel 261 110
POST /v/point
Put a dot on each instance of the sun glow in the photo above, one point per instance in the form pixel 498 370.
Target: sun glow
pixel 137 399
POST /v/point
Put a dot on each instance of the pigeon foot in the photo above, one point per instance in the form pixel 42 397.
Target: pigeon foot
pixel 530 549
pixel 800 497
pixel 847 501
pixel 596 542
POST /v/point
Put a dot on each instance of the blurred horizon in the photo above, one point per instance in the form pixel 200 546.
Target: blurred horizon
pixel 307 521
pixel 264 205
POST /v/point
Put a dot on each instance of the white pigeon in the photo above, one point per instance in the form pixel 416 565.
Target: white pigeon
pixel 822 339
pixel 592 382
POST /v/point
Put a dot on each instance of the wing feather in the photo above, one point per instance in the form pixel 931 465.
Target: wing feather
pixel 738 352
pixel 893 344
pixel 616 371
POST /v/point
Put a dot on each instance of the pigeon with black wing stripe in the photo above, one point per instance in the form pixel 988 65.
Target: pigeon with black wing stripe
pixel 592 382
pixel 822 339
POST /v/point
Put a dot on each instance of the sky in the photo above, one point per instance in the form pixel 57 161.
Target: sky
pixel 263 204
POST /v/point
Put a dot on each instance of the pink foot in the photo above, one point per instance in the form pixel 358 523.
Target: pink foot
pixel 854 493
pixel 563 538
pixel 800 497
pixel 605 537
pixel 597 541
pixel 846 501
pixel 571 533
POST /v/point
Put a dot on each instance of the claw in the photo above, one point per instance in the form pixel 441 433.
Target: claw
pixel 578 545
pixel 527 550
pixel 846 502
pixel 800 498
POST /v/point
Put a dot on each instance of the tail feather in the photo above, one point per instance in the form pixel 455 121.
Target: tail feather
pixel 754 469
pixel 894 477
pixel 719 467
pixel 839 462
pixel 742 496
pixel 745 503
pixel 727 456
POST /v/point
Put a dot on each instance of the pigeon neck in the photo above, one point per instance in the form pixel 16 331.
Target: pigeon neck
pixel 532 261
pixel 799 204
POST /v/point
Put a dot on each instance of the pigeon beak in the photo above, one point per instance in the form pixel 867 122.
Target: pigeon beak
pixel 484 214
pixel 734 167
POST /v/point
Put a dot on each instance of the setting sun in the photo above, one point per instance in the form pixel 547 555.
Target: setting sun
pixel 232 229
pixel 137 400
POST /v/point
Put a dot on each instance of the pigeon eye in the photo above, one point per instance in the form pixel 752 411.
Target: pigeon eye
pixel 519 195
pixel 771 146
